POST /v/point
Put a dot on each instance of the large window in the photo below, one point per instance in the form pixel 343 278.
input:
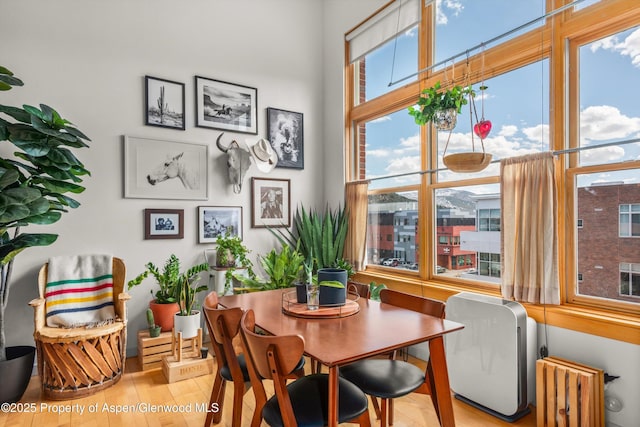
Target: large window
pixel 630 220
pixel 563 84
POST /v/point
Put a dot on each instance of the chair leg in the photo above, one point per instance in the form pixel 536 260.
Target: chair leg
pixel 384 413
pixel 238 394
pixel 432 381
pixel 363 420
pixel 376 407
pixel 217 398
pixel 390 412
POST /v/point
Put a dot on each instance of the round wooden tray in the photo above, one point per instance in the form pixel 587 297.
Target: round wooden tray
pixel 292 307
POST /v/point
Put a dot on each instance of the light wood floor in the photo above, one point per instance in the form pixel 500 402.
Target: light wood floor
pixel 140 390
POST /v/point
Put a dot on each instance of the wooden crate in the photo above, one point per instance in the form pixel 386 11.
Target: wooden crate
pixel 152 350
pixel 568 394
pixel 186 368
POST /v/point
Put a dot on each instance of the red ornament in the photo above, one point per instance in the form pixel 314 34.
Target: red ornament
pixel 482 128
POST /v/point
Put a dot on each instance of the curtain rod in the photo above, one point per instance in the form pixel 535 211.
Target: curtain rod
pixel 483 44
pixel 555 153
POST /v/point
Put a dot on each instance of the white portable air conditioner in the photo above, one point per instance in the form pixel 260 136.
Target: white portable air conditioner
pixel 492 360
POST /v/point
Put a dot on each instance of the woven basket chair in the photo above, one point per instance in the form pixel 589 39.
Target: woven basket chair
pixel 77 362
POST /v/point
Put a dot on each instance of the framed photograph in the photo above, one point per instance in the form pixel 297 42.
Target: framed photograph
pixel 157 169
pixel 271 202
pixel 214 221
pixel 286 137
pixel 163 224
pixel 164 103
pixel 226 106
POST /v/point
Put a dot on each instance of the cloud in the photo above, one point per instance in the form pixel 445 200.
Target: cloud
pixel 630 46
pixel 604 122
pixel 538 134
pixel 444 6
pixel 508 130
pixel 378 153
pixel 380 119
pixel 601 155
pixel 403 165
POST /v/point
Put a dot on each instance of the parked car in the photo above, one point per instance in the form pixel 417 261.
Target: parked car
pixel 440 269
pixel 391 262
pixel 413 266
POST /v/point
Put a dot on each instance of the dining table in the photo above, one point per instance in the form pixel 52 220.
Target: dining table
pixel 344 336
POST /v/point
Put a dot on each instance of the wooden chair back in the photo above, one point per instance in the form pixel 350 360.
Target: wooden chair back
pixel 361 289
pixel 223 325
pixel 270 357
pixel 119 272
pixel 417 303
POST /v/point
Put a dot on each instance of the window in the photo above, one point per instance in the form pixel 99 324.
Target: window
pixel 629 280
pixel 579 108
pixel 630 220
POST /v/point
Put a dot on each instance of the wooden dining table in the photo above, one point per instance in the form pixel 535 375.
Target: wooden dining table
pixel 374 329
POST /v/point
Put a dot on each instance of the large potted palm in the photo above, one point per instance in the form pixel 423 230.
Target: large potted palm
pixel 34 183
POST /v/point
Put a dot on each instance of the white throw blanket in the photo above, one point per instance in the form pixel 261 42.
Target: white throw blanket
pixel 79 291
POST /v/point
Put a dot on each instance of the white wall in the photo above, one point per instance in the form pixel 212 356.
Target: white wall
pixel 88 60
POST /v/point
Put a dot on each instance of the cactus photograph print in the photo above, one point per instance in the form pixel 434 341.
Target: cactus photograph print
pixel 164 103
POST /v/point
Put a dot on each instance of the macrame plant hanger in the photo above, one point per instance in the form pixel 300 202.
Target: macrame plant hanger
pixel 472 161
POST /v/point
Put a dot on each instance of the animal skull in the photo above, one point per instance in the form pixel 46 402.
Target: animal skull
pixel 238 162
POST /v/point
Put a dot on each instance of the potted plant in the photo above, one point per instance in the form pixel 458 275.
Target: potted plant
pixel 166 297
pixel 187 320
pixel 440 106
pixel 154 330
pixel 34 183
pixel 320 236
pixel 283 269
pixel 333 286
pixel 232 254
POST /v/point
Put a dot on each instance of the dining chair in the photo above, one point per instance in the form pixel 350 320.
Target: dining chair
pixel 390 378
pixel 224 325
pixel 303 401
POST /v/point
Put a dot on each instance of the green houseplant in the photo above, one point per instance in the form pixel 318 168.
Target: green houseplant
pixel 170 282
pixel 34 186
pixel 320 236
pixel 232 254
pixel 283 268
pixel 440 106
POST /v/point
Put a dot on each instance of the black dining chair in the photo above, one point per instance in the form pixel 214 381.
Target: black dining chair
pixel 388 378
pixel 224 326
pixel 302 402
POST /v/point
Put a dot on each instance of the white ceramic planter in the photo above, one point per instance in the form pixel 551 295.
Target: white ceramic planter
pixel 188 325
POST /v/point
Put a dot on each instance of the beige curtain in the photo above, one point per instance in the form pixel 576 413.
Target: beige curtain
pixel 357 205
pixel 529 229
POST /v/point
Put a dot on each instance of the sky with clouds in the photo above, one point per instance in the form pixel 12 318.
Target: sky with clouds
pixel 517 103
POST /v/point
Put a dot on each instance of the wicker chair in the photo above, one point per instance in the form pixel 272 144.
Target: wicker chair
pixel 77 362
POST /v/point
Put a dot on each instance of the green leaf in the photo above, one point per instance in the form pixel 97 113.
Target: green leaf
pixel 17 113
pixel 13 212
pixel 58 186
pixel 9 250
pixel 8 177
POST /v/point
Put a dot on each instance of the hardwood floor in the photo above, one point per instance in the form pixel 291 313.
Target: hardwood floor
pixel 139 399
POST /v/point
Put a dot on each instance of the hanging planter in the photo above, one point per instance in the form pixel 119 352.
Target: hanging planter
pixel 440 106
pixel 473 161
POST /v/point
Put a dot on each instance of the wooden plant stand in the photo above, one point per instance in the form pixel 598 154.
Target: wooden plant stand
pixel 185 360
pixel 152 350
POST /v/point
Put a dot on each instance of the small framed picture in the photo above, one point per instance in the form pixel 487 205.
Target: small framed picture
pixel 214 221
pixel 163 224
pixel 286 137
pixel 164 103
pixel 271 202
pixel 226 106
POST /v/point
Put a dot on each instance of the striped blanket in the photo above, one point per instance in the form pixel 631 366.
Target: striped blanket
pixel 79 291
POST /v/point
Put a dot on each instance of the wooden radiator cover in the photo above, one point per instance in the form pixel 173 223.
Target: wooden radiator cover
pixel 569 394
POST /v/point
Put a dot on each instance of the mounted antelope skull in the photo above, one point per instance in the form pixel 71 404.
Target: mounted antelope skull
pixel 238 162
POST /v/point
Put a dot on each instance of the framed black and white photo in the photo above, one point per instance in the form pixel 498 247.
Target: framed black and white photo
pixel 214 221
pixel 286 137
pixel 164 103
pixel 271 202
pixel 163 224
pixel 157 169
pixel 226 106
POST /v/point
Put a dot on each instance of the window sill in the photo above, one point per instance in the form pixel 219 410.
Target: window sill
pixel 607 324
